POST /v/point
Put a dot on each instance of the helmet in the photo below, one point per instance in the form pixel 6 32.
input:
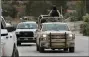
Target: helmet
pixel 54 7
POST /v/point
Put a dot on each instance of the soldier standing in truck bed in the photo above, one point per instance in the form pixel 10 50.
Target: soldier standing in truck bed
pixel 54 12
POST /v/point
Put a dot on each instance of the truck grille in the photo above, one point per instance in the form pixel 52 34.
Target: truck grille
pixel 59 39
pixel 26 38
pixel 26 34
pixel 57 36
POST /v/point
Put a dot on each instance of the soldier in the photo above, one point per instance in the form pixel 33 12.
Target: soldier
pixel 54 12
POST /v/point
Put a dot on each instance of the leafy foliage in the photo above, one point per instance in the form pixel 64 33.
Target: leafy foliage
pixel 85 26
pixel 35 8
pixel 86 18
pixel 8 10
pixel 80 9
pixel 86 29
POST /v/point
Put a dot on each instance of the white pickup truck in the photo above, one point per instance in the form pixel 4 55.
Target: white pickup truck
pixel 8 40
pixel 25 32
pixel 55 35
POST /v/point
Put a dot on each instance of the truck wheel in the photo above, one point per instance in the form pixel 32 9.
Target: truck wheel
pixel 18 43
pixel 71 49
pixel 53 49
pixel 65 49
pixel 37 48
pixel 41 49
pixel 15 53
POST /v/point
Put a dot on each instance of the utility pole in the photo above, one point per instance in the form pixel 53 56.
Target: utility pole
pixel 61 14
pixel 0 27
pixel 85 7
pixel 61 10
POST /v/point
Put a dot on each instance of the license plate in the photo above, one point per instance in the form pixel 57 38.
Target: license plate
pixel 58 40
pixel 26 39
pixel 25 34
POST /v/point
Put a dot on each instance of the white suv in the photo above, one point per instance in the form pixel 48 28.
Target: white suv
pixel 8 40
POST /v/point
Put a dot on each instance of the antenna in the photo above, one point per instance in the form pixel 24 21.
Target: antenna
pixel 61 14
pixel 61 10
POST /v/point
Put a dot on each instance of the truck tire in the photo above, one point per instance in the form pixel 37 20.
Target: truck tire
pixel 18 43
pixel 53 49
pixel 15 52
pixel 71 49
pixel 65 49
pixel 41 49
pixel 37 48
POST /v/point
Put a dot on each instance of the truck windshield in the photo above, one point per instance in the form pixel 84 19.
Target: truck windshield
pixel 27 26
pixel 55 27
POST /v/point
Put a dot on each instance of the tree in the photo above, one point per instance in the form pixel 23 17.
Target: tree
pixel 85 27
pixel 8 9
pixel 28 7
pixel 35 8
pixel 87 5
pixel 80 9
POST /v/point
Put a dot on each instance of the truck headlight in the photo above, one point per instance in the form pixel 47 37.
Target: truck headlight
pixel 42 39
pixel 70 35
pixel 17 32
pixel 44 36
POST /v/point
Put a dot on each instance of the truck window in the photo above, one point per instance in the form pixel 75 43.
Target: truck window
pixel 2 26
pixel 3 23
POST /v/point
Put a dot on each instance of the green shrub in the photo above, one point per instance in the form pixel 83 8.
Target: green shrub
pixel 86 29
pixel 81 28
pixel 86 18
pixel 85 25
pixel 73 18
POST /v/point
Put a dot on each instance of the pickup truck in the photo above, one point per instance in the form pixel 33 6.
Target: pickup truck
pixel 8 40
pixel 55 35
pixel 25 32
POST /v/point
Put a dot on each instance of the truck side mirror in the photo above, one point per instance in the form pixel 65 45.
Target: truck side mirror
pixel 10 29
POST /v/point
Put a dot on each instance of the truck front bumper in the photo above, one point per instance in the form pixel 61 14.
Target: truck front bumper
pixel 26 39
pixel 56 45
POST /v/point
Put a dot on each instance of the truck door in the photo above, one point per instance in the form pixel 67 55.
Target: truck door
pixel 6 40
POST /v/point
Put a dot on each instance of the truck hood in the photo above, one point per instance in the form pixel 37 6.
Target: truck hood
pixel 21 30
pixel 47 32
